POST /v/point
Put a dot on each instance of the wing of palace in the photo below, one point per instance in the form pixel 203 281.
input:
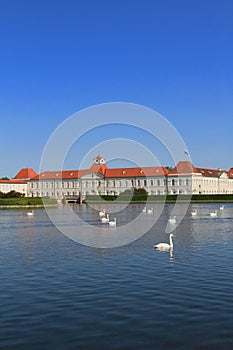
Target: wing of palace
pixel 100 179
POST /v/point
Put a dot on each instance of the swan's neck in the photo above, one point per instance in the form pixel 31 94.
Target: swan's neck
pixel 171 243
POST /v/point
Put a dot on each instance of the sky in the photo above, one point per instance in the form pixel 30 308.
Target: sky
pixel 60 57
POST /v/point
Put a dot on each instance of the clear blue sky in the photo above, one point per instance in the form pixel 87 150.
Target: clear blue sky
pixel 58 57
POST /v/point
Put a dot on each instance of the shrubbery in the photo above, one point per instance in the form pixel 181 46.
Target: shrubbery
pixel 141 196
pixel 11 194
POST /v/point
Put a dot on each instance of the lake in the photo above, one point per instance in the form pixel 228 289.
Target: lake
pixel 58 294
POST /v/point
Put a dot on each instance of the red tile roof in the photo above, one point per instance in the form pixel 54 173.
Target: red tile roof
pixel 13 182
pixel 70 174
pixel 136 172
pixel 98 169
pixel 52 175
pixel 25 173
pixel 183 168
pixel 211 172
pixel 230 173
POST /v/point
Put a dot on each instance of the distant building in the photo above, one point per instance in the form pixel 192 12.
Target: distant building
pixel 99 179
pixel 185 178
pixel 14 185
pixel 25 175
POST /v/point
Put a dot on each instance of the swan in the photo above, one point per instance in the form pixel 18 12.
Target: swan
pixel 194 213
pixel 150 211
pixel 213 213
pixel 172 220
pixel 165 246
pixel 112 223
pixel 30 213
pixel 144 210
pixel 221 207
pixel 105 219
pixel 102 213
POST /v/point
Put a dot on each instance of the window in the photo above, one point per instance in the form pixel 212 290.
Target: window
pixel 145 183
pixel 180 182
pixel 158 182
pixel 151 182
pixel 187 182
pixel 173 182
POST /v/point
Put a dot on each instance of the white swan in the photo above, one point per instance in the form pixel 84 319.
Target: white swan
pixel 214 213
pixel 112 223
pixel 221 207
pixel 172 220
pixel 165 246
pixel 30 213
pixel 144 210
pixel 194 213
pixel 102 213
pixel 150 211
pixel 105 220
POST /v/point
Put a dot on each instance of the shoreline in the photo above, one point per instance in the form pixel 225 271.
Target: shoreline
pixel 26 206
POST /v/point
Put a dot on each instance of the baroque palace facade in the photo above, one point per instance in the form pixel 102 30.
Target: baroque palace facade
pixel 99 179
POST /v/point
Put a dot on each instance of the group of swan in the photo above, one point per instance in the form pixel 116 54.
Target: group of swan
pixel 105 219
pixel 148 211
pixel 212 214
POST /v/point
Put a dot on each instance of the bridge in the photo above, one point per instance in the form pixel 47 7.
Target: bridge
pixel 74 198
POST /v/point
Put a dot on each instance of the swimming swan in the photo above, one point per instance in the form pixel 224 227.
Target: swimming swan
pixel 102 213
pixel 30 213
pixel 213 213
pixel 221 207
pixel 165 246
pixel 172 220
pixel 112 223
pixel 150 211
pixel 105 220
pixel 144 210
pixel 194 213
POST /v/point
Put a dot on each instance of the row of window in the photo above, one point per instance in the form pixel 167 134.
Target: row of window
pixel 112 183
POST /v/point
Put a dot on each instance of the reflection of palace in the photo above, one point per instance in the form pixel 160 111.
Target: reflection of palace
pixel 99 179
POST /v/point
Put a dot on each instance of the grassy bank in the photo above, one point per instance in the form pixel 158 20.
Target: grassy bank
pixel 26 202
pixel 201 198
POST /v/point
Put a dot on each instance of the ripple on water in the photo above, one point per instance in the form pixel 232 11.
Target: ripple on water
pixel 58 294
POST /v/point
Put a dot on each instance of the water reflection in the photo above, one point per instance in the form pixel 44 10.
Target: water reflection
pixel 89 295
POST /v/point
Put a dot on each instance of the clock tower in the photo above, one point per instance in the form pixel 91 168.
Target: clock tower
pixel 99 160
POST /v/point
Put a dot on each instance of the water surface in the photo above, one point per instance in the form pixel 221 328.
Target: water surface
pixel 58 294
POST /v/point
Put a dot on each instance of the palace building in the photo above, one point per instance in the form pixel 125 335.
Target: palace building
pixel 100 179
